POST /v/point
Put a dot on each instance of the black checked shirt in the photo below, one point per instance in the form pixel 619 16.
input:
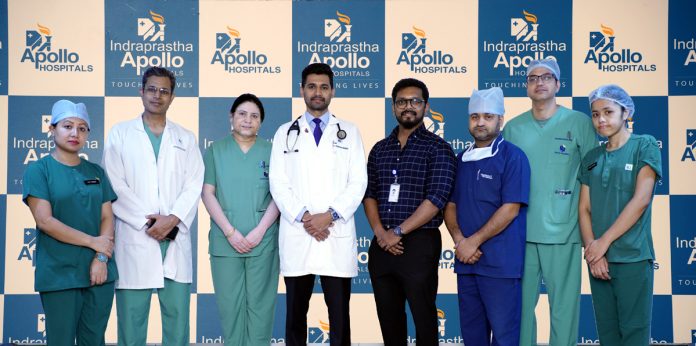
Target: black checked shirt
pixel 425 170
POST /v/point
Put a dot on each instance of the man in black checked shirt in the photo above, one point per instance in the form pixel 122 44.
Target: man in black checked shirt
pixel 410 178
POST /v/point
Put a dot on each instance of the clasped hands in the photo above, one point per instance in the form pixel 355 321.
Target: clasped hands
pixel 595 255
pixel 317 225
pixel 390 242
pixel 163 224
pixel 467 250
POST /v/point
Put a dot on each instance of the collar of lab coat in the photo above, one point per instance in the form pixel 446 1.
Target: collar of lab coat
pixel 170 132
pixel 140 125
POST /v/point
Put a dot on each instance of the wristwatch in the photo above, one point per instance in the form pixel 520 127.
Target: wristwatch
pixel 102 257
pixel 397 231
pixel 334 214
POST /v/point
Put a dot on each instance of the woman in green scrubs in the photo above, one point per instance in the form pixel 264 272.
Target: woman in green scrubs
pixel 618 183
pixel 70 199
pixel 243 238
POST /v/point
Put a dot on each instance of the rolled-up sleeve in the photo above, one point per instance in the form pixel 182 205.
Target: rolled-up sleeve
pixel 372 174
pixel 441 173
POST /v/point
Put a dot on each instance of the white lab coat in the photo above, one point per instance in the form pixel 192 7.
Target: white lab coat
pixel 144 185
pixel 332 174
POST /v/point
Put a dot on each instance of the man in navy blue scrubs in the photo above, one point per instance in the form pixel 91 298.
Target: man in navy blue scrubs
pixel 486 217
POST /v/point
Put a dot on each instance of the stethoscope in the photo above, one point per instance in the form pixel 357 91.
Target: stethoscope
pixel 295 126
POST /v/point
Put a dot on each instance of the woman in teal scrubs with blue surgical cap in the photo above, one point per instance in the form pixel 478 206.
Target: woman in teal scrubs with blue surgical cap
pixel 70 199
pixel 243 238
pixel 618 183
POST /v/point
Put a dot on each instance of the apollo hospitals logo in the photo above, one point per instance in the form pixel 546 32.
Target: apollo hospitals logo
pixel 153 50
pixel 340 52
pixel 441 323
pixel 318 334
pixel 414 54
pixel 524 29
pixel 441 331
pixel 37 332
pixel 46 124
pixel 41 324
pixel 525 46
pixel 28 251
pixel 338 30
pixel 151 30
pixel 690 149
pixel 435 123
pixel 40 52
pixel 229 54
pixel 603 52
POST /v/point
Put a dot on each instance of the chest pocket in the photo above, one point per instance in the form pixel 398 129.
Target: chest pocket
pixel 179 153
pixel 486 188
pixel 562 151
pixel 624 177
pixel 87 190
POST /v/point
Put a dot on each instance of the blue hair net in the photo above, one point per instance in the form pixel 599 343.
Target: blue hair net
pixel 615 93
pixel 548 63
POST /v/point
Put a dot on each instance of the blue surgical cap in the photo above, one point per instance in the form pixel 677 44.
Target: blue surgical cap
pixel 66 109
pixel 615 93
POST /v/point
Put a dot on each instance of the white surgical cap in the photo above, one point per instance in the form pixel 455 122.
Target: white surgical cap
pixel 487 101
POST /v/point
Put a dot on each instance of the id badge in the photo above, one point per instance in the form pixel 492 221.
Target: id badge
pixel 394 193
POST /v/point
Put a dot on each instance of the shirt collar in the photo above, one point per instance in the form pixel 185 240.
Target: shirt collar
pixel 417 132
pixel 324 118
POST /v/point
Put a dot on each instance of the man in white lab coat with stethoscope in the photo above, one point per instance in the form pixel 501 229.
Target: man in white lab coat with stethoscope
pixel 156 169
pixel 318 178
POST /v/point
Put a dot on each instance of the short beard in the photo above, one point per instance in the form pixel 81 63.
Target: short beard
pixel 409 124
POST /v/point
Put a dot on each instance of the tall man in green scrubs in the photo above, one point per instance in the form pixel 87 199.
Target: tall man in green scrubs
pixel 157 171
pixel 555 139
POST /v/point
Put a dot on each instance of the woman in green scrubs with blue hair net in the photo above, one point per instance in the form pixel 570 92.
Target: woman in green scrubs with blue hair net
pixel 243 238
pixel 618 183
pixel 70 199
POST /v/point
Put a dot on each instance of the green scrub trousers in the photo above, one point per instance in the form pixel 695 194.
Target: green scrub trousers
pixel 623 305
pixel 560 267
pixel 77 312
pixel 245 290
pixel 133 309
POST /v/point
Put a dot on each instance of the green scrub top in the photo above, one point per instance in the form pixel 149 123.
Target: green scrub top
pixel 612 176
pixel 241 188
pixel 76 195
pixel 554 152
pixel 155 140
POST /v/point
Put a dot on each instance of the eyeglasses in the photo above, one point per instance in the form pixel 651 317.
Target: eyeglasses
pixel 545 78
pixel 151 90
pixel 244 115
pixel 415 102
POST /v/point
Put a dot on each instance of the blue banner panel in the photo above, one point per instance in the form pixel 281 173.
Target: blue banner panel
pixel 142 34
pixel 516 32
pixel 348 36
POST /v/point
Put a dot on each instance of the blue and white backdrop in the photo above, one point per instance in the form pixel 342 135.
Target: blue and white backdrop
pixel 95 52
